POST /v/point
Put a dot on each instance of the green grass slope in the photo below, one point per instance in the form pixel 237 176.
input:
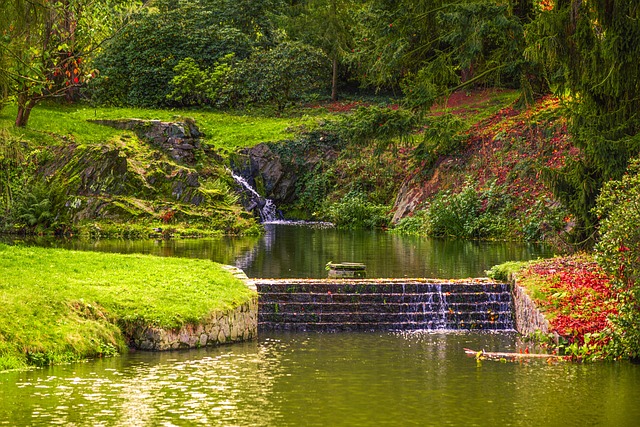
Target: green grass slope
pixel 60 305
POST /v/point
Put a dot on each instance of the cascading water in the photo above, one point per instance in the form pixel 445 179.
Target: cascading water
pixel 392 304
pixel 266 208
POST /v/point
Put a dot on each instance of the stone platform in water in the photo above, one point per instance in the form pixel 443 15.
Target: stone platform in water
pixel 383 304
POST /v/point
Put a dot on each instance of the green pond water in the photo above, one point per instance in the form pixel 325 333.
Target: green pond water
pixel 342 379
pixel 347 379
pixel 303 251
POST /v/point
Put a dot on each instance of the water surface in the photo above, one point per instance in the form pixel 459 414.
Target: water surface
pixel 299 251
pixel 347 379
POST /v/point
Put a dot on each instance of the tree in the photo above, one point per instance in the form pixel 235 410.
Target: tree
pixel 326 25
pixel 137 66
pixel 429 47
pixel 590 52
pixel 45 44
pixel 392 39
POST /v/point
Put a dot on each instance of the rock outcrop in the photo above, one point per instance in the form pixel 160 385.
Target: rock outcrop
pixel 265 171
pixel 179 140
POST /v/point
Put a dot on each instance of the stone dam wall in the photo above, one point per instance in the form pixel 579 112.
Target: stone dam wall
pixel 383 304
pixel 396 304
pixel 527 315
pixel 330 305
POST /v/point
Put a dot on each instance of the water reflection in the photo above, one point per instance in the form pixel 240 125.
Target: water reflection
pixel 365 379
pixel 302 251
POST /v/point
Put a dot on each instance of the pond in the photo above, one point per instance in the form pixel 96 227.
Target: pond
pixel 343 379
pixel 303 251
pixel 346 379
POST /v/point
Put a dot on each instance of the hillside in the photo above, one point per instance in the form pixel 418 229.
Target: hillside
pixel 503 158
pixel 77 170
pixel 480 176
pixel 473 168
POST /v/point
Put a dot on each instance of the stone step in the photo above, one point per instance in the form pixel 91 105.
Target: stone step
pixel 372 307
pixel 356 317
pixel 384 326
pixel 382 298
pixel 367 287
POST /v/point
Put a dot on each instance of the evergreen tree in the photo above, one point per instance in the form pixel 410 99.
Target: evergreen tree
pixel 591 51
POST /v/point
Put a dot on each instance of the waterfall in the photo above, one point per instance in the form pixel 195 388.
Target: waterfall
pixel 266 208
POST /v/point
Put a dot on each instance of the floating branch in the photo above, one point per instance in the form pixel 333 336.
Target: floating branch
pixel 503 355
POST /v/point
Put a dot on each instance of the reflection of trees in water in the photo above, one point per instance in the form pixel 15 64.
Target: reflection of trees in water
pixel 457 258
pixel 246 260
pixel 289 251
pixel 302 251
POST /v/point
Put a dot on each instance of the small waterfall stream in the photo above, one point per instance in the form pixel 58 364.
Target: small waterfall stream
pixel 266 208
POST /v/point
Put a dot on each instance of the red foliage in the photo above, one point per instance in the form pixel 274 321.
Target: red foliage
pixel 167 216
pixel 579 298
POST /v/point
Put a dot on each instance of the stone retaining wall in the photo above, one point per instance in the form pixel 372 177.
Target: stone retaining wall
pixel 238 324
pixel 528 317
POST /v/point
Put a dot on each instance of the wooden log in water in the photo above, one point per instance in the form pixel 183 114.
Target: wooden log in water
pixel 505 355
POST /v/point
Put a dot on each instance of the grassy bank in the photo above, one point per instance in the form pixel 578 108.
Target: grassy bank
pixel 61 306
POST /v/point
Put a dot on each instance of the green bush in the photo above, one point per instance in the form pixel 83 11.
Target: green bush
pixel 355 211
pixel 192 85
pixel 41 207
pixel 469 214
pixel 382 125
pixel 414 224
pixel 618 250
pixel 443 136
pixel 285 73
pixel 504 272
pixel 137 66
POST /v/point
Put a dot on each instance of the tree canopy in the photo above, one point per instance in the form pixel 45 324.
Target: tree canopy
pixel 231 53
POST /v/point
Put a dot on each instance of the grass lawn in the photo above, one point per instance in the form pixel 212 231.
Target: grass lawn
pixel 60 305
pixel 227 130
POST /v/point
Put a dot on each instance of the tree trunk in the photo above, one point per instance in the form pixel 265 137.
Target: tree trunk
pixel 334 80
pixel 25 106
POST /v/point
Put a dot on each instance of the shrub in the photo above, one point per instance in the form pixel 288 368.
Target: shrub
pixel 443 136
pixel 382 125
pixel 137 66
pixel 192 85
pixel 355 211
pixel 454 215
pixel 415 224
pixel 41 207
pixel 469 214
pixel 618 249
pixel 281 75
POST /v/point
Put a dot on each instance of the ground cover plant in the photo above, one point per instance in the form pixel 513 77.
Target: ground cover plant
pixel 61 306
pixel 487 181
